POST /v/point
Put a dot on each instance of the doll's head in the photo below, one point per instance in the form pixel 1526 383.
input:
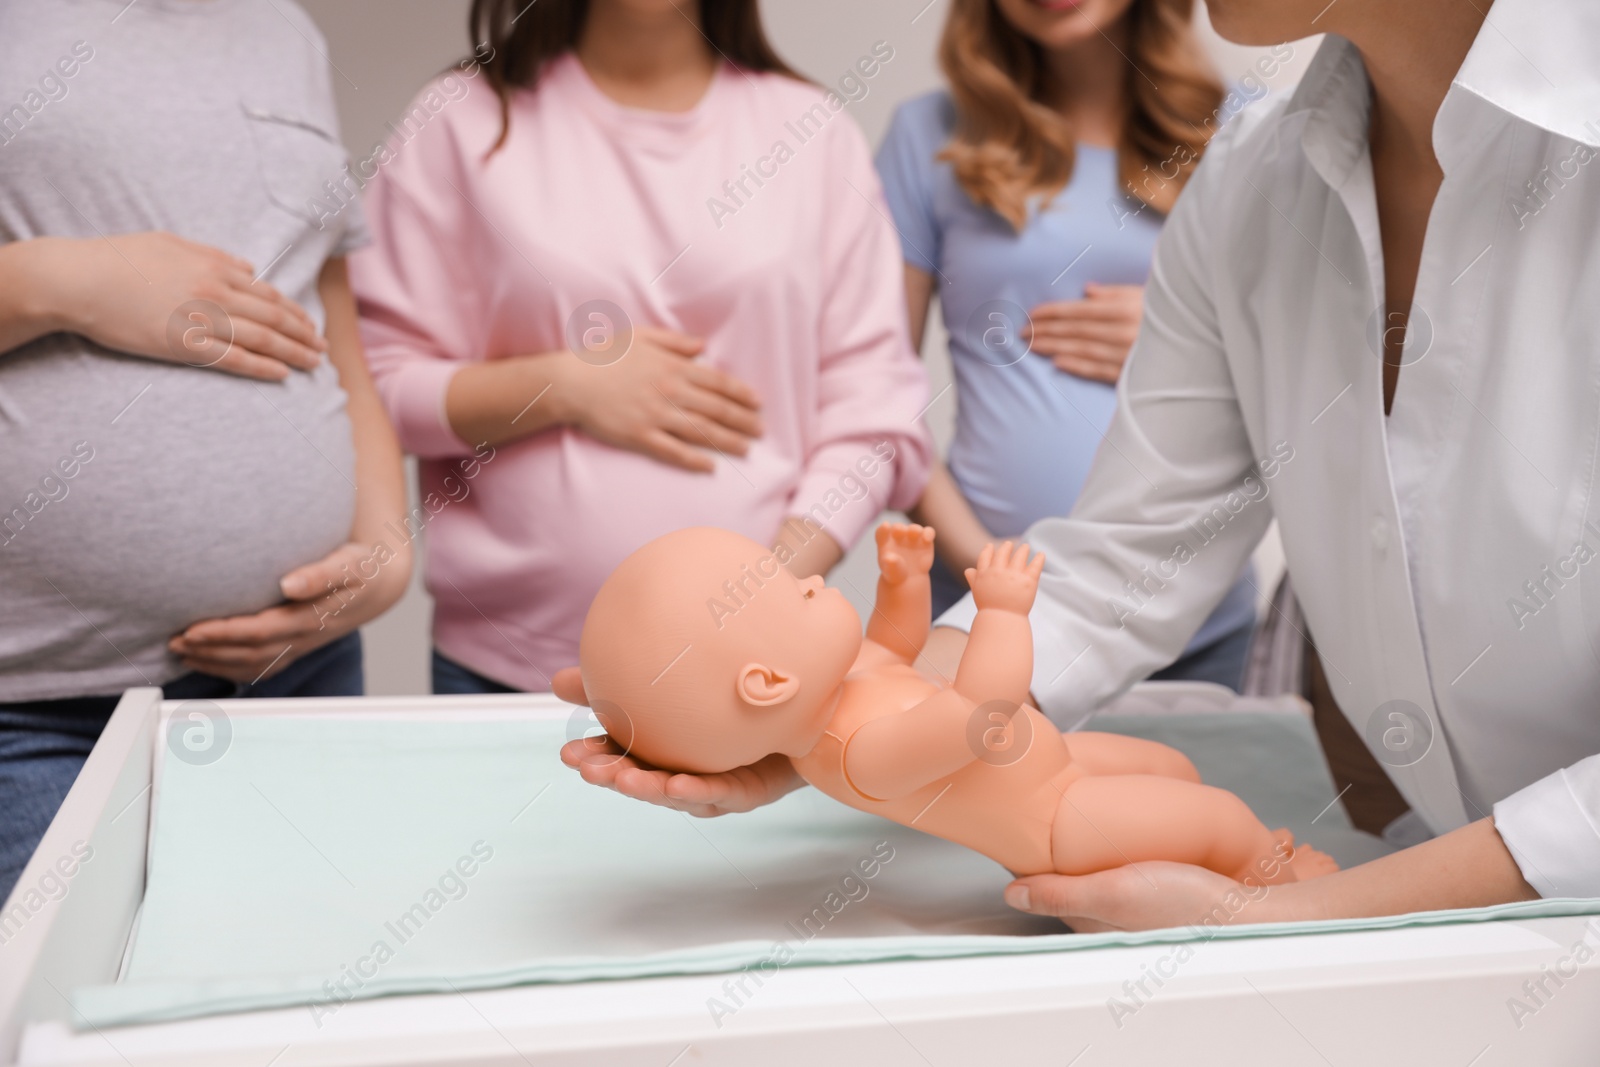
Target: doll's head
pixel 702 653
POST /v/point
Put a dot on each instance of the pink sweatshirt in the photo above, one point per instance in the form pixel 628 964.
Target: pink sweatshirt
pixel 754 221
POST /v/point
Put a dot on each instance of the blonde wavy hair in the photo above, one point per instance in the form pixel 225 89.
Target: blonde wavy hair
pixel 1009 145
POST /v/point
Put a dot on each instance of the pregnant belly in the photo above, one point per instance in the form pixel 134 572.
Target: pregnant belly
pixel 530 539
pixel 192 504
pixel 211 542
pixel 1024 445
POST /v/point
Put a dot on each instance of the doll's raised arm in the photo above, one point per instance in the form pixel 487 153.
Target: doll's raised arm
pixel 997 663
pixel 898 754
pixel 902 614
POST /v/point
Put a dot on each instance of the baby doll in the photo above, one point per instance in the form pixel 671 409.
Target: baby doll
pixel 702 653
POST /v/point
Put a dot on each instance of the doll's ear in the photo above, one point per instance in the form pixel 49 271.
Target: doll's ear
pixel 765 687
pixel 568 685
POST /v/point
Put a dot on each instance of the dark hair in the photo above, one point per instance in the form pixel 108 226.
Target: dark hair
pixel 515 39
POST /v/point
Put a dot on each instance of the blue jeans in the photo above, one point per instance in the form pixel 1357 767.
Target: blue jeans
pixel 452 679
pixel 44 743
pixel 1222 661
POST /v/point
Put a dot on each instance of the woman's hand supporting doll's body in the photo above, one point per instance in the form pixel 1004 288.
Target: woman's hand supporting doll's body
pixel 704 655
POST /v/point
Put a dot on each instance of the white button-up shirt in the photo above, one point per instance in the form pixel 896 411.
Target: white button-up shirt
pixel 1448 556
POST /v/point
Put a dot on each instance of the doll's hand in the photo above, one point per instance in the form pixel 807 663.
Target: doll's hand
pixel 1147 896
pixel 904 549
pixel 601 762
pixel 1005 578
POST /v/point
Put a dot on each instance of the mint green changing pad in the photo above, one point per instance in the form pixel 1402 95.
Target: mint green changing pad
pixel 324 859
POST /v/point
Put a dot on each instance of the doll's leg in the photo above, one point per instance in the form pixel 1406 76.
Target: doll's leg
pixel 1107 754
pixel 1105 822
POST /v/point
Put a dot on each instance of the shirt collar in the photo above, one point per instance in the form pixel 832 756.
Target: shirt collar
pixel 1534 59
pixel 1334 97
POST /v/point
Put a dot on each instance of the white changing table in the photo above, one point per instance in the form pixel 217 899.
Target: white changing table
pixel 1423 995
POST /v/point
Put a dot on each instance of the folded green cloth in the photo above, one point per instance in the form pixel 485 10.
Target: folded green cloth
pixel 324 859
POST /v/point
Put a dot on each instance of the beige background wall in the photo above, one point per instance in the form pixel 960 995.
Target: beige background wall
pixel 383 50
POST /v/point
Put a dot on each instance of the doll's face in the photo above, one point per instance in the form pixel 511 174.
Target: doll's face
pixel 703 653
pixel 811 634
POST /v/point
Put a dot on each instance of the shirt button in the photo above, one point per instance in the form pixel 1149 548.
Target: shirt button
pixel 1380 533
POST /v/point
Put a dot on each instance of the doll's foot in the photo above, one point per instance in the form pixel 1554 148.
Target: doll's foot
pixel 1308 863
pixel 1287 862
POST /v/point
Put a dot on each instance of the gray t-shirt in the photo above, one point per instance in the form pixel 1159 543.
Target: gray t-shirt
pixel 136 496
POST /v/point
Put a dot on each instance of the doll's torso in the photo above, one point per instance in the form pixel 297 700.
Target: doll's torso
pixel 1003 804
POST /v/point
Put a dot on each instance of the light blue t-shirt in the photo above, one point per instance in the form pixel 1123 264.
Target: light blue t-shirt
pixel 1025 431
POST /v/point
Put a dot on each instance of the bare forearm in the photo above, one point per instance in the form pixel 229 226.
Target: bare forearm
pixel 380 464
pixel 30 306
pixel 961 535
pixel 381 488
pixel 997 662
pixel 902 615
pixel 506 399
pixel 941 654
pixel 919 295
pixel 380 471
pixel 806 548
pixel 1466 868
